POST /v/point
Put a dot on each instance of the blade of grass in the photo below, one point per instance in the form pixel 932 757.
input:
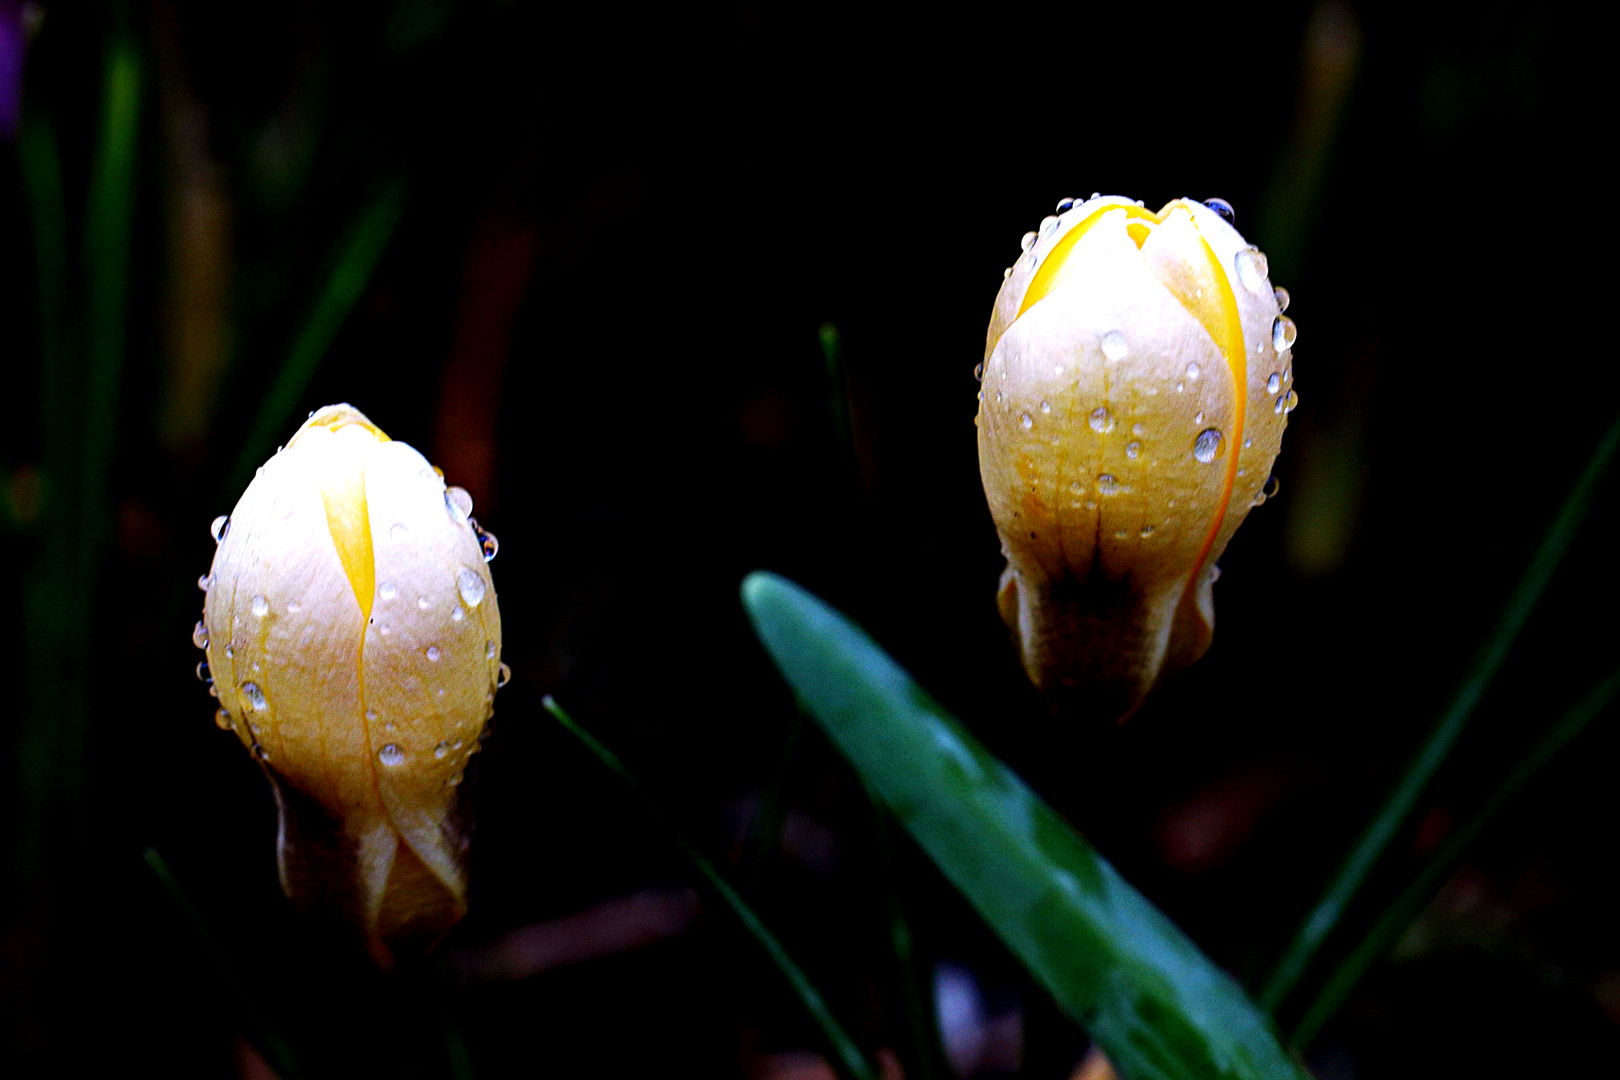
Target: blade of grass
pixel 265 1039
pixel 847 1056
pixel 350 270
pixel 1411 902
pixel 1155 1003
pixel 1397 808
pixel 925 1061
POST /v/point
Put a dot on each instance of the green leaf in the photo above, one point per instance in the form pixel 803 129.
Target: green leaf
pixel 1416 896
pixel 1154 1003
pixel 1391 817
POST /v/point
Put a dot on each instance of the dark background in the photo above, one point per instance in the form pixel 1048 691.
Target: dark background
pixel 601 314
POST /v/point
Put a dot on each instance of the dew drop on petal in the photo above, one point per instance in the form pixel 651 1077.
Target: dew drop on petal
pixel 1274 383
pixel 423 602
pixel 1207 445
pixel 1193 370
pixel 221 525
pixel 199 635
pixel 457 615
pixel 488 544
pixel 1133 450
pixel 489 650
pixel 1223 208
pixel 1114 346
pixel 1283 333
pixel 1147 531
pixel 471 586
pixel 978 371
pixel 203 674
pixel 1252 269
pixel 1282 298
pixel 1007 273
pixel 254 696
pixel 1045 407
pixel 432 652
pixel 1138 429
pixel 1027 241
pixel 1290 401
pixel 222 719
pixel 504 675
pixel 259 606
pixel 205 582
pixel 1199 419
pixel 391 754
pixel 441 750
pixel 1026 421
pixel 1107 485
pixel 387 591
pixel 1065 205
pixel 1101 421
pixel 458 504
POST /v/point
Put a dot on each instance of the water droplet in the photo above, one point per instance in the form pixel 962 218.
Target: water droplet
pixel 1223 208
pixel 1048 223
pixel 1180 386
pixel 423 603
pixel 222 719
pixel 1289 401
pixel 259 606
pixel 1199 419
pixel 371 714
pixel 1107 485
pixel 1091 504
pixel 1114 346
pixel 471 587
pixel 1274 383
pixel 1007 273
pixel 398 531
pixel 294 607
pixel 1102 422
pixel 978 371
pixel 229 652
pixel 441 750
pixel 1273 485
pixel 1133 450
pixel 488 544
pixel 1026 420
pixel 458 504
pixel 457 615
pixel 504 675
pixel 1247 443
pixel 998 397
pixel 258 751
pixel 1192 370
pixel 255 696
pixel 1251 269
pixel 220 527
pixel 1045 408
pixel 1138 429
pixel 1282 298
pixel 489 650
pixel 453 781
pixel 213 691
pixel 1207 445
pixel 387 591
pixel 203 674
pixel 384 629
pixel 1027 241
pixel 199 635
pixel 1057 370
pixel 1147 531
pixel 391 754
pixel 205 582
pixel 432 652
pixel 1120 534
pixel 1283 333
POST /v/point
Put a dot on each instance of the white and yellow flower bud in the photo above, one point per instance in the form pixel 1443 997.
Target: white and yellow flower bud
pixel 354 642
pixel 1136 382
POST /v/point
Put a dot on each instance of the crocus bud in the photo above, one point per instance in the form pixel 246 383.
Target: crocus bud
pixel 1137 381
pixel 354 643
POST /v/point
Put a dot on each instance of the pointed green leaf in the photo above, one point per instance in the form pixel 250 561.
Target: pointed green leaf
pixel 1155 1004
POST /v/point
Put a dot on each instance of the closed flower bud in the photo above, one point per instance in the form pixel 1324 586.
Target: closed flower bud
pixel 1137 379
pixel 354 642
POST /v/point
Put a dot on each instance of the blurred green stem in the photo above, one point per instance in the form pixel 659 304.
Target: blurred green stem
pixel 918 1002
pixel 1411 902
pixel 349 272
pixel 265 1039
pixel 1397 808
pixel 847 1057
